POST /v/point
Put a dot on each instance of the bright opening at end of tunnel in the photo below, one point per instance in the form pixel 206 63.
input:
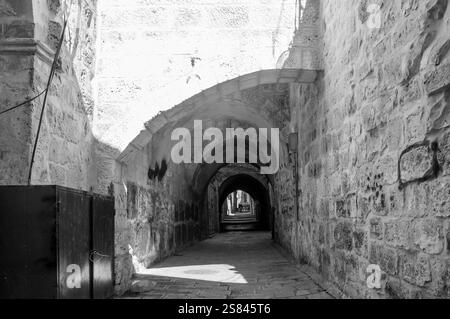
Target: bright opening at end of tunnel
pixel 214 273
pixel 240 204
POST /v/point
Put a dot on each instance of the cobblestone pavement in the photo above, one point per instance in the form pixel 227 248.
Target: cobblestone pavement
pixel 237 265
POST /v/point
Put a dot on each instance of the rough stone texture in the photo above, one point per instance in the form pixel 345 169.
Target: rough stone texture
pixel 383 91
pixel 156 218
pixel 64 153
pixel 16 86
pixel 306 48
pixel 68 120
pixel 417 164
pixel 216 214
pixel 170 212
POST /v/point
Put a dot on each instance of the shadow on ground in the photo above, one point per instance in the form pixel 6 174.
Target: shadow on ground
pixel 235 265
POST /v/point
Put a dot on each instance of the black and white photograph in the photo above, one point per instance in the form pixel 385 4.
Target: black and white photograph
pixel 224 154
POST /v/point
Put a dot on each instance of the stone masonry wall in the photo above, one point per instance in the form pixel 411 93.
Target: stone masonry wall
pixel 374 150
pixel 292 231
pixel 154 216
pixel 214 210
pixel 30 33
pixel 146 50
pixel 65 154
pixel 16 86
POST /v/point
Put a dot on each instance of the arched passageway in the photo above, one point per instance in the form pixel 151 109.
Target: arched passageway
pixel 258 192
pixel 174 204
pixel 239 211
pixel 363 185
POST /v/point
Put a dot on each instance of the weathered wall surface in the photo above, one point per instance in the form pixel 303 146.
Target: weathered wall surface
pixel 306 51
pixel 292 230
pixel 64 154
pixel 154 217
pixel 215 211
pixel 158 214
pixel 16 86
pixel 30 33
pixel 374 150
pixel 145 51
pixel 212 206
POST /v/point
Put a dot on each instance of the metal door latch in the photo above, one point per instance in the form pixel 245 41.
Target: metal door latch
pixel 94 253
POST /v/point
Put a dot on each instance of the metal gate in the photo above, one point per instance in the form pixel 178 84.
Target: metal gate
pixel 55 242
pixel 102 234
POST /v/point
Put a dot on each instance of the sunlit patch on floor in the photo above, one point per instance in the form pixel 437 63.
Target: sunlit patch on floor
pixel 215 273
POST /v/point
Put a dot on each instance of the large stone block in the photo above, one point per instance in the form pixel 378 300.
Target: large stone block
pixel 444 153
pixel 363 209
pixel 396 233
pixel 376 228
pixel 439 118
pixel 394 134
pixel 439 200
pixel 385 257
pixel 410 93
pixel 415 130
pixel 342 209
pixel 440 272
pixel 395 201
pixel 360 242
pixel 416 200
pixel 428 236
pixel 343 236
pixel 438 80
pixel 415 268
pixel 413 57
pixel 418 163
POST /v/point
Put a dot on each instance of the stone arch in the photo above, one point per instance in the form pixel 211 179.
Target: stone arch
pixel 256 189
pixel 177 214
pixel 217 176
pixel 215 99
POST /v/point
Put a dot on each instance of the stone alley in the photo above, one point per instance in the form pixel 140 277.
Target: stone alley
pixel 235 265
pixel 225 149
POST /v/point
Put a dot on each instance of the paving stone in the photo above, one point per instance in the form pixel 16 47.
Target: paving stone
pixel 237 275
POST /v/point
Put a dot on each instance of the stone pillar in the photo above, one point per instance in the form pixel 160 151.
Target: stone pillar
pixel 17 48
pixel 29 34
